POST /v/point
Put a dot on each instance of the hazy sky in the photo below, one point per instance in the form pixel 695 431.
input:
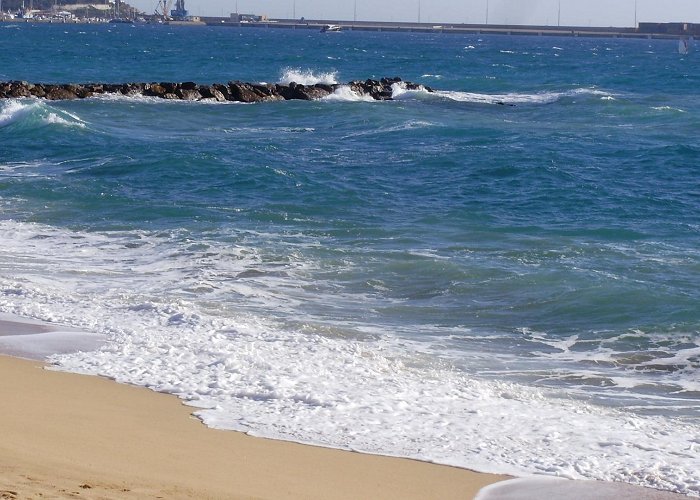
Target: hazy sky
pixel 543 12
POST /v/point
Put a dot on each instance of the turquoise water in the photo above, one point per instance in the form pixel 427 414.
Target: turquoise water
pixel 296 267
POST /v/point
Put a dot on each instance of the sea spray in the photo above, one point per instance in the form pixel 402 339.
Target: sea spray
pixel 307 77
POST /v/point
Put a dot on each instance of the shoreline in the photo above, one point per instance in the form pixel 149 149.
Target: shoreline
pixel 67 435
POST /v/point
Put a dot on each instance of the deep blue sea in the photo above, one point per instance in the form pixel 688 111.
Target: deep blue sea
pixel 504 288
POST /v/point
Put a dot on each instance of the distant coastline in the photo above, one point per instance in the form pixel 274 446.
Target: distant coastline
pixel 643 31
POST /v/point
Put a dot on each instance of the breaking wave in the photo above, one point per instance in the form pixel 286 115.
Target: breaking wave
pixel 31 113
pixel 307 77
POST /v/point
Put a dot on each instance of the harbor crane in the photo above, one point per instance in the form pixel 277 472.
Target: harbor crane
pixel 179 13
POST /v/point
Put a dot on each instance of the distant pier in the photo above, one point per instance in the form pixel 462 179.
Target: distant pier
pixel 465 29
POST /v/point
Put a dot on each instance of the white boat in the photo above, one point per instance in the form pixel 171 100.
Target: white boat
pixel 329 28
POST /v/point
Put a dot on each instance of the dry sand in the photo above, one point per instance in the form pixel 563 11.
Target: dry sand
pixel 64 435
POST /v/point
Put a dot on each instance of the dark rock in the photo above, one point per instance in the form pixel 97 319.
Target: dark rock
pixel 132 89
pixel 356 87
pixel 244 92
pixel 302 92
pixel 19 89
pixel 218 95
pixel 328 88
pixel 412 86
pixel 169 87
pixel 233 91
pixel 267 91
pixel 287 91
pixel 209 92
pixel 223 90
pixel 84 93
pixel 39 91
pixel 155 90
pixel 112 88
pixel 95 88
pixel 390 81
pixel 73 88
pixel 188 94
pixel 372 88
pixel 56 93
pixel 312 93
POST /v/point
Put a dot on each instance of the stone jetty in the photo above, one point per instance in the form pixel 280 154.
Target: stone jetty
pixel 234 91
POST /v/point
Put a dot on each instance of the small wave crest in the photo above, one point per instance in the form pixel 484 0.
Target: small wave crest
pixel 511 98
pixel 307 77
pixel 36 113
pixel 668 108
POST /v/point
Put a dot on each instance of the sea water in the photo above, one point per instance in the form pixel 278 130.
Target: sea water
pixel 502 274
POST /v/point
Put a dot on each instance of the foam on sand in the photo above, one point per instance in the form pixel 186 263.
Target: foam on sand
pixel 36 340
pixel 547 487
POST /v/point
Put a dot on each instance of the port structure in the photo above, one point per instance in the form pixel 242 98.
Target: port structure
pixel 179 13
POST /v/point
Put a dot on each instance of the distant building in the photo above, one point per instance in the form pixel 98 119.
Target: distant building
pixel 247 18
pixel 82 7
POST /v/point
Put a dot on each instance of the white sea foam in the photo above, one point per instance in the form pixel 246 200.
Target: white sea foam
pixel 136 98
pixel 190 316
pixel 307 77
pixel 268 130
pixel 345 94
pixel 144 99
pixel 67 119
pixel 398 127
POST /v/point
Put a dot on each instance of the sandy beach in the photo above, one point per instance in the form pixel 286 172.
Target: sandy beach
pixel 74 436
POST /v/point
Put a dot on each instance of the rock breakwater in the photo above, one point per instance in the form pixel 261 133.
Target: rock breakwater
pixel 234 91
